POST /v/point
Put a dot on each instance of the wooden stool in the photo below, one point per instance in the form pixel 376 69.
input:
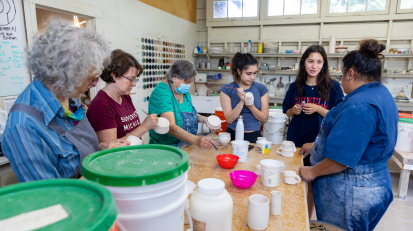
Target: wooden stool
pixel 405 161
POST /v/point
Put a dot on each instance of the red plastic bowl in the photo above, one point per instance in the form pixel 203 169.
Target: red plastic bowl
pixel 242 178
pixel 227 160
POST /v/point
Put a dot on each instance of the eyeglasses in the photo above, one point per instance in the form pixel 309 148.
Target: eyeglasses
pixel 132 81
pixel 94 82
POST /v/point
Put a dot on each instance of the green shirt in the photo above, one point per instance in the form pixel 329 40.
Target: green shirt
pixel 162 100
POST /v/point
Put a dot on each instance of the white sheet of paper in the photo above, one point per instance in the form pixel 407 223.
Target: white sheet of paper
pixel 8 103
pixel 35 219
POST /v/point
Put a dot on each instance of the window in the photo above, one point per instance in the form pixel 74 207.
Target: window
pixel 405 6
pixel 354 6
pixel 292 7
pixel 235 9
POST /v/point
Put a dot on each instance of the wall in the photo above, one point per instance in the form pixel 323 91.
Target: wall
pixel 185 9
pixel 124 22
pixel 393 29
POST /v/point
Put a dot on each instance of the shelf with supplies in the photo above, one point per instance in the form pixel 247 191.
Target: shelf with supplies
pixel 336 74
pixel 289 55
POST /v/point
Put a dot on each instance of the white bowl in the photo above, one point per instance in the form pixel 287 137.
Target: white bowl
pixel 341 51
pixel 224 139
pixel 163 126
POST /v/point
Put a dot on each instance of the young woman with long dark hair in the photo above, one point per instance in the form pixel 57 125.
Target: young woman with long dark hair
pixel 244 70
pixel 320 92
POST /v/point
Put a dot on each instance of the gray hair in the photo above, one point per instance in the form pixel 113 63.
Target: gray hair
pixel 183 69
pixel 64 56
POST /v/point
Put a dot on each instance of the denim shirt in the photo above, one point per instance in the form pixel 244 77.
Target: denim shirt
pixel 360 130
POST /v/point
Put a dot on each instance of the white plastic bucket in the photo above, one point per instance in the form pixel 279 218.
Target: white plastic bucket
pixel 405 137
pixel 274 129
pixel 270 172
pixel 240 149
pixel 152 207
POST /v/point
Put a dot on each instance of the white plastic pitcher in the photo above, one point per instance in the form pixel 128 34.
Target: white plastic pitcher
pixel 405 137
pixel 270 172
pixel 240 149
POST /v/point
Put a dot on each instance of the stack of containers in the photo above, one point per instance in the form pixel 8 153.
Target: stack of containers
pixel 274 129
pixel 59 204
pixel 405 135
pixel 220 113
pixel 147 183
pixel 271 47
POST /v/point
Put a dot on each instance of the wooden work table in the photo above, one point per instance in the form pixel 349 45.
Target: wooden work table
pixel 294 215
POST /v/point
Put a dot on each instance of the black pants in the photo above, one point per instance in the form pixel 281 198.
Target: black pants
pixel 250 137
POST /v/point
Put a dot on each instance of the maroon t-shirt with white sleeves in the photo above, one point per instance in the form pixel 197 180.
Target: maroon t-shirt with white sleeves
pixel 105 113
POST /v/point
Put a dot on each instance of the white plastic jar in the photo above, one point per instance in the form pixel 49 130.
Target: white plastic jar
pixel 211 206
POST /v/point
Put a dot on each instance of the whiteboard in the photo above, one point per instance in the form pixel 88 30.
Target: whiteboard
pixel 12 67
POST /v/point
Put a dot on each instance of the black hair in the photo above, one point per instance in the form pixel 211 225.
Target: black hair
pixel 366 61
pixel 240 62
pixel 323 78
pixel 119 63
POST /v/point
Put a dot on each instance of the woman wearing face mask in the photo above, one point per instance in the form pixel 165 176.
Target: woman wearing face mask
pixel 320 93
pixel 111 113
pixel 171 100
pixel 244 68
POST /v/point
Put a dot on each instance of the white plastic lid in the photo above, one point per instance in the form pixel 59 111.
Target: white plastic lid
pixel 218 109
pixel 211 186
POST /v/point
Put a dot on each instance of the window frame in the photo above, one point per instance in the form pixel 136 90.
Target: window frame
pixel 384 12
pixel 233 19
pixel 267 17
pixel 402 11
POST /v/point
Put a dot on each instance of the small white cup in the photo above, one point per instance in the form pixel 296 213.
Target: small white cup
pixel 134 140
pixel 276 203
pixel 291 177
pixel 214 122
pixel 287 149
pixel 249 98
pixel 163 126
pixel 258 212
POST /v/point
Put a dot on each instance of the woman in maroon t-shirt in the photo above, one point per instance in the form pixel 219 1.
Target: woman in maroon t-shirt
pixel 111 113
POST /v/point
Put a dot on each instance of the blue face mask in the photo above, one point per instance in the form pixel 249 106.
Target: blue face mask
pixel 184 88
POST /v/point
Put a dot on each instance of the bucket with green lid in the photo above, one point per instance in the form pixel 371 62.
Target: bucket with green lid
pixel 405 135
pixel 147 182
pixel 60 204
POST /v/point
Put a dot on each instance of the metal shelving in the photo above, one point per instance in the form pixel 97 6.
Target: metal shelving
pixel 266 55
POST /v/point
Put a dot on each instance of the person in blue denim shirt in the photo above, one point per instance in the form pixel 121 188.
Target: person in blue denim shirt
pixel 350 177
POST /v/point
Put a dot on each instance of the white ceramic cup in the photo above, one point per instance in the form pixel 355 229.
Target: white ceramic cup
pixel 224 138
pixel 249 98
pixel 163 126
pixel 291 177
pixel 134 140
pixel 214 122
pixel 276 203
pixel 287 149
pixel 257 169
pixel 258 213
pixel 270 172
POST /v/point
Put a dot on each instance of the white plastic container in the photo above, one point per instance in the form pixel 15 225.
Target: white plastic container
pixel 239 129
pixel 270 172
pixel 274 129
pixel 405 137
pixel 214 122
pixel 211 206
pixel 240 149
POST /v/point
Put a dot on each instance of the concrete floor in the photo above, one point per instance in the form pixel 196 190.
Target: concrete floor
pixel 399 216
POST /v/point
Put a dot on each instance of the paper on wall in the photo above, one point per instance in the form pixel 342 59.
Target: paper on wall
pixel 8 103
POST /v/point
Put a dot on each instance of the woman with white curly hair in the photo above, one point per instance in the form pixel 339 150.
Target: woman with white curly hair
pixel 47 133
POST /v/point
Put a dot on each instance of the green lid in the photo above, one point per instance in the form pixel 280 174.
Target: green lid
pixel 406 120
pixel 275 107
pixel 89 206
pixel 135 165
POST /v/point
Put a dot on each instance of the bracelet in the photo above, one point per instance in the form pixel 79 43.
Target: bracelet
pixel 239 107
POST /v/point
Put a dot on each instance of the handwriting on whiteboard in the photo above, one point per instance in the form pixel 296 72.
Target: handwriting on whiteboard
pixel 12 56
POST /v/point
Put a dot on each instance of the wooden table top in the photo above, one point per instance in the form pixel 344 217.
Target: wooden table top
pixel 294 215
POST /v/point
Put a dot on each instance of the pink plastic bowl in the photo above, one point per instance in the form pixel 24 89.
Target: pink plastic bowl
pixel 243 178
